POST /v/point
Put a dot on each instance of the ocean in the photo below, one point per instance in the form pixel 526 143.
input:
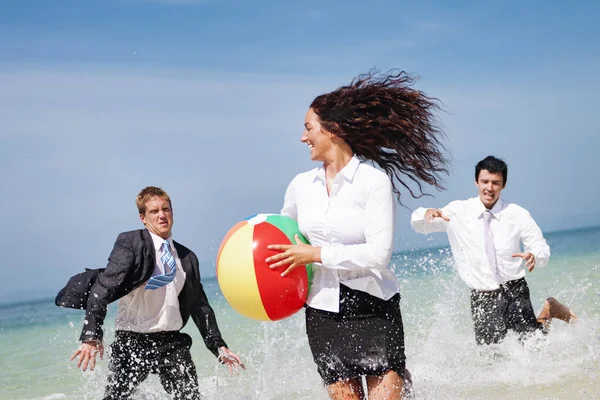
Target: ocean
pixel 37 339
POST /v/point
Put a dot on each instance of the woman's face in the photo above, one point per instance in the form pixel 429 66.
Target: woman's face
pixel 318 140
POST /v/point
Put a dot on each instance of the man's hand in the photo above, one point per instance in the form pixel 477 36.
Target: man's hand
pixel 232 361
pixel 87 353
pixel 294 255
pixel 529 259
pixel 433 213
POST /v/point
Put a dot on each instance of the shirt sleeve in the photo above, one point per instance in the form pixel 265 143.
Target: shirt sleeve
pixel 376 252
pixel 289 202
pixel 420 225
pixel 534 242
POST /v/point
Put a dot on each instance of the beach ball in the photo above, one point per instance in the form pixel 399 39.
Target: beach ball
pixel 247 282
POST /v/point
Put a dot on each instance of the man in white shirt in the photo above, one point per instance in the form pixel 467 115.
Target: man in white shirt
pixel 485 234
pixel 157 283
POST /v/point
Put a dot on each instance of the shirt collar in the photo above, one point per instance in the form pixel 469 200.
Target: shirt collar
pixel 478 208
pixel 158 241
pixel 347 172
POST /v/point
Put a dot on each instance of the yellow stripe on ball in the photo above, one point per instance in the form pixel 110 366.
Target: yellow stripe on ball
pixel 237 278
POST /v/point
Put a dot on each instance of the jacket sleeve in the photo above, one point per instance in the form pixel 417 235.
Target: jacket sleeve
pixel 76 292
pixel 203 314
pixel 106 288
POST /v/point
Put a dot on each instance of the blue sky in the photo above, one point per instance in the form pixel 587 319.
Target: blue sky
pixel 207 98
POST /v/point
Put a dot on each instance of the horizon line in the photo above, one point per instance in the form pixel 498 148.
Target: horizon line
pixel 395 253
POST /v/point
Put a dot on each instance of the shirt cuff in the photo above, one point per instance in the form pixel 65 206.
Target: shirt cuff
pixel 540 260
pixel 328 256
pixel 418 215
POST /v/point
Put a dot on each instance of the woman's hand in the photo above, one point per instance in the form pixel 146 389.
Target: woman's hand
pixel 294 255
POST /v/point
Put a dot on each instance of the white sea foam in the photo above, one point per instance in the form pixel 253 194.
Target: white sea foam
pixel 54 396
pixel 441 352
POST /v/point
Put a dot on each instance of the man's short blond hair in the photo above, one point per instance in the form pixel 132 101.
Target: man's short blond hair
pixel 147 194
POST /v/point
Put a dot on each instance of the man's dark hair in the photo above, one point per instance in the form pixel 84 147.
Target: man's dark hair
pixel 493 165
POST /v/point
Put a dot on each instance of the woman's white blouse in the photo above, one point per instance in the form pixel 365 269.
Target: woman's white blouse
pixel 353 225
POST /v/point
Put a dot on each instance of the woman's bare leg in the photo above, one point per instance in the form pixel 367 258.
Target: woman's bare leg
pixel 350 389
pixel 389 386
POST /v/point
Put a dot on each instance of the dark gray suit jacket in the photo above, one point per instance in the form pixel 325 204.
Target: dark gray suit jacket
pixel 130 265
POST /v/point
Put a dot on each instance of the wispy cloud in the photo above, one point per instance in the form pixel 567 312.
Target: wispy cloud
pixel 78 143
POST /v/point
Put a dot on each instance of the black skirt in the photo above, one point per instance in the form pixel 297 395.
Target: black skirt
pixel 366 337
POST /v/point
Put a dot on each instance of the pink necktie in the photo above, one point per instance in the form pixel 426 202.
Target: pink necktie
pixel 490 250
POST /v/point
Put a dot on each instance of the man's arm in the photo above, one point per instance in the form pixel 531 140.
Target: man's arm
pixel 102 293
pixel 206 321
pixel 106 288
pixel 428 220
pixel 534 242
pixel 203 314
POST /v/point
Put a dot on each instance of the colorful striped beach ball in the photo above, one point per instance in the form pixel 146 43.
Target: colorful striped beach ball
pixel 250 286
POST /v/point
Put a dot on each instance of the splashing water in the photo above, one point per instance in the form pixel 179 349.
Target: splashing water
pixel 37 338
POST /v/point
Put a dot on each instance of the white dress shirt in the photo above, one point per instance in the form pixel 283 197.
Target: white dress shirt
pixel 353 225
pixel 147 311
pixel 511 226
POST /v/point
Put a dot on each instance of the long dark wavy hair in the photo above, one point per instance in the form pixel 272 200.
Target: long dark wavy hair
pixel 386 121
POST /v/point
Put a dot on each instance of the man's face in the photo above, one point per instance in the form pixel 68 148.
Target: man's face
pixel 489 186
pixel 158 218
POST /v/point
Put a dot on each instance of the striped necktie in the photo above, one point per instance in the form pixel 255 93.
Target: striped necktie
pixel 168 263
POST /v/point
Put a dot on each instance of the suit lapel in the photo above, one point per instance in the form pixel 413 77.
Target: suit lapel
pixel 149 252
pixel 184 258
pixel 182 253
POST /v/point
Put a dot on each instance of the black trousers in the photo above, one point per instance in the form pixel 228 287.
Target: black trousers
pixel 509 307
pixel 136 355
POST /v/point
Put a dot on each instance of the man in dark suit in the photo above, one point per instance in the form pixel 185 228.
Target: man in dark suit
pixel 157 283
